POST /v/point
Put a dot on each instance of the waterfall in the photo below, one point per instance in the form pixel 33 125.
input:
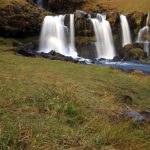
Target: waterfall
pixel 141 34
pixel 142 37
pixel 146 48
pixel 54 36
pixel 40 3
pixel 147 19
pixel 126 35
pixel 104 40
pixel 72 49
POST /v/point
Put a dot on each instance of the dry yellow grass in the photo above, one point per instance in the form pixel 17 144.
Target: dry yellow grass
pixel 122 5
pixel 4 3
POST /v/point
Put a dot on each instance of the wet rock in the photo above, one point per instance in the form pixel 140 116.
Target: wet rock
pixel 137 116
pixel 86 50
pixel 52 55
pixel 116 58
pixel 28 50
pixel 26 53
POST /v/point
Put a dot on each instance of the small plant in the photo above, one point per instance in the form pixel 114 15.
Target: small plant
pixel 73 113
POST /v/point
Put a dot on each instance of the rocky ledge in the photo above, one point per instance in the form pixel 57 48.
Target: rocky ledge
pixel 20 19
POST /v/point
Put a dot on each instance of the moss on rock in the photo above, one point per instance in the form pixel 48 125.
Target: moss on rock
pixel 20 19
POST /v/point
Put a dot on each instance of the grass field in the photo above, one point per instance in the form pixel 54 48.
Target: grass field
pixel 46 105
pixel 121 5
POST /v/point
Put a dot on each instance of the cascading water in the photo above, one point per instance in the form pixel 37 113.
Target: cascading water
pixel 126 35
pixel 146 47
pixel 142 37
pixel 141 34
pixel 104 40
pixel 54 36
pixel 40 3
pixel 72 49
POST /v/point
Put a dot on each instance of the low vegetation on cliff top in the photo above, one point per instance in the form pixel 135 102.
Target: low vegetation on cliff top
pixel 98 5
pixel 60 105
pixel 118 5
pixel 4 3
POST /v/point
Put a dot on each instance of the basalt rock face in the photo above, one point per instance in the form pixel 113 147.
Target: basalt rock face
pixel 84 34
pixel 85 37
pixel 64 6
pixel 19 20
pixel 136 20
pixel 114 19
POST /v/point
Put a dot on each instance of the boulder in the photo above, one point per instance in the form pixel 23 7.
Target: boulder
pixel 136 116
pixel 28 49
pixel 132 52
pixel 52 55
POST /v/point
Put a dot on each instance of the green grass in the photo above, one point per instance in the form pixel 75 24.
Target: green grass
pixel 46 105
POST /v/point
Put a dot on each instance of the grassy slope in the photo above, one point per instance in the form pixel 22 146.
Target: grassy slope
pixel 4 3
pixel 60 105
pixel 119 5
pixel 122 5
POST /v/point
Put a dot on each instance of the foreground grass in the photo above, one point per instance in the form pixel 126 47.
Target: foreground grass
pixel 47 105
